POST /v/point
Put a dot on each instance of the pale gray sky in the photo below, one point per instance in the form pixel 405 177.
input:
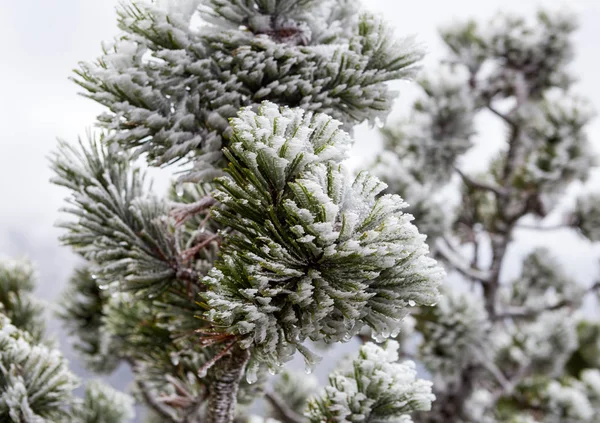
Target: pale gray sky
pixel 43 40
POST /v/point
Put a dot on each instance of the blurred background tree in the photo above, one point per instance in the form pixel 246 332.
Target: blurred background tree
pixel 502 348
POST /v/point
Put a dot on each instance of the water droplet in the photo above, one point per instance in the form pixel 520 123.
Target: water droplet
pixel 252 372
pixel 411 303
pixel 379 337
pixel 251 378
pixel 310 358
pixel 179 189
pixel 203 371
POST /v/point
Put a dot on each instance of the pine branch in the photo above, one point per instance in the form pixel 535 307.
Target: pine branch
pixel 373 387
pixel 101 403
pixel 310 252
pixel 17 282
pixel 35 382
pixel 547 149
pixel 169 125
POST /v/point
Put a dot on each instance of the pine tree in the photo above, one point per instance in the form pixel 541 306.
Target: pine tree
pixel 501 350
pixel 35 382
pixel 266 241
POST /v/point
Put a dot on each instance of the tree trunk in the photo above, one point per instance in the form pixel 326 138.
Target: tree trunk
pixel 227 373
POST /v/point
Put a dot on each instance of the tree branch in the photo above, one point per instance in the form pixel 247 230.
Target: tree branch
pixel 544 228
pixel 458 263
pixel 501 115
pixel 156 405
pixel 182 212
pixel 289 415
pixel 514 381
pixel 471 183
pixel 530 313
pixel 186 255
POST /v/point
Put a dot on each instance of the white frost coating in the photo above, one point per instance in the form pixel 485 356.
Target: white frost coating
pixel 543 283
pixel 558 150
pixel 569 401
pixel 478 406
pixel 373 378
pixel 591 379
pixel 183 8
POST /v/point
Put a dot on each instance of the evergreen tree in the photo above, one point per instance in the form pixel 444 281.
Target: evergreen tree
pixel 501 350
pixel 266 241
pixel 36 385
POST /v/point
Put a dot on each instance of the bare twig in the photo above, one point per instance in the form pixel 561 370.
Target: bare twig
pixel 459 264
pixel 497 373
pixel 178 386
pixel 499 242
pixel 285 412
pixel 501 115
pixel 543 228
pixel 182 212
pixel 191 252
pixel 484 186
pixel 509 388
pixel 212 361
pixel 158 406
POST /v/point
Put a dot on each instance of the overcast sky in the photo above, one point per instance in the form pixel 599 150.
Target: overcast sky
pixel 43 40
